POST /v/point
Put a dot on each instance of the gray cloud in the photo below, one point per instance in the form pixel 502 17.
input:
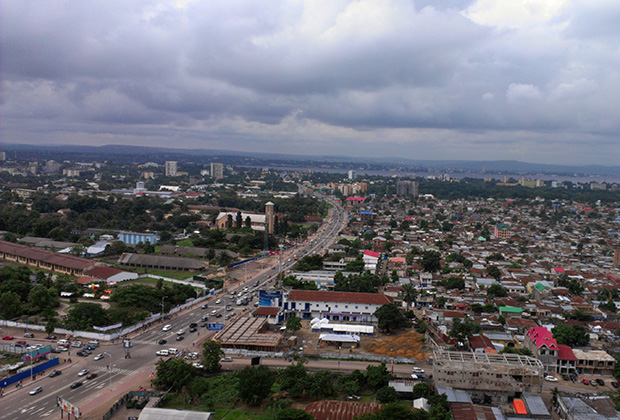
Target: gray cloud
pixel 366 77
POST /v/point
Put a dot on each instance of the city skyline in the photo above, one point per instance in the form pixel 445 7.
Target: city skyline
pixel 477 80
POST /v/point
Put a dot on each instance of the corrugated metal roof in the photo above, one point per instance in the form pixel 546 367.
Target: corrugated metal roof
pixel 340 297
pixel 170 414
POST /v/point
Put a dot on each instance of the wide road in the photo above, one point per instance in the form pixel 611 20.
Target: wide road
pixel 117 374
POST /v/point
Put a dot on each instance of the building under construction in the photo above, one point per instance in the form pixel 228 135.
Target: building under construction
pixel 496 376
pixel 249 334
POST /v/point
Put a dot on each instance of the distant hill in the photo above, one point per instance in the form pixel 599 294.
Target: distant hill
pixel 132 153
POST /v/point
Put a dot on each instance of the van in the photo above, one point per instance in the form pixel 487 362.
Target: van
pixel 172 350
pixel 162 353
pixel 63 342
pixel 94 343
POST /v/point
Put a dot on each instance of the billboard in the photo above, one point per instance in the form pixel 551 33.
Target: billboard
pixel 35 354
pixel 66 406
pixel 216 327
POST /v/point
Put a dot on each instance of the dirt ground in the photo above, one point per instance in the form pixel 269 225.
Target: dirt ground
pixel 406 344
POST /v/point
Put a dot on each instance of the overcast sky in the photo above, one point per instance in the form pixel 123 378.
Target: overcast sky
pixel 531 80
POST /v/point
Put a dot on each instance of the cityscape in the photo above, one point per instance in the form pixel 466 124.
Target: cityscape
pixel 309 210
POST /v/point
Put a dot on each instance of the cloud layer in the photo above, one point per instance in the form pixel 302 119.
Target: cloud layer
pixel 533 80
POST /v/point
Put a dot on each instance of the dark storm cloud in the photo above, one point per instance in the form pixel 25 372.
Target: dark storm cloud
pixel 485 77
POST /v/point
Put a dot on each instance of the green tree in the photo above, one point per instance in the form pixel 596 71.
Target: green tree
pixel 255 384
pixel 570 336
pixel 10 305
pixel 173 373
pixel 211 355
pixel 377 376
pixel 84 316
pixel 396 411
pixel 409 293
pixel 390 318
pixel 41 299
pixel 321 384
pixel 293 323
pixel 293 379
pixel 387 395
pixel 293 414
pixel 51 325
pixel 461 330
pixel 431 261
pixel 496 290
pixel 494 272
pixel 421 390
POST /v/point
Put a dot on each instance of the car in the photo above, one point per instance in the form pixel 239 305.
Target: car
pixel 36 390
pixel 98 357
pixel 89 348
pixel 172 350
pixel 585 381
pixel 77 344
pixel 204 325
pixel 416 369
pixel 600 382
pixel 197 365
pixel 29 335
pixel 21 343
pixel 193 329
pixel 226 359
pixel 181 332
pixel 162 353
pixel 218 301
pixel 76 385
pixel 162 342
pixel 193 325
pixel 593 382
pixel 8 337
pixel 180 338
pixel 213 312
pixel 229 308
pixel 566 377
pixel 204 319
pixel 167 327
pixel 414 376
pixel 55 373
pixel 91 375
pixel 218 315
pixel 551 378
pixel 614 384
pixel 205 306
pixel 83 372
pixel 81 353
pixel 87 352
pixel 50 337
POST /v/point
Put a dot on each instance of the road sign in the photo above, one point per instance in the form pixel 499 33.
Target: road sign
pixel 216 327
pixel 68 407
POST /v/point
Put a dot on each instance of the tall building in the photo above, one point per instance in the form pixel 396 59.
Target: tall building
pixel 351 174
pixel 51 167
pixel 171 168
pixel 2 155
pixel 217 170
pixel 270 216
pixel 405 188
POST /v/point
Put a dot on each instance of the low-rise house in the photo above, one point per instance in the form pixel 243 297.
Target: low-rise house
pixel 335 306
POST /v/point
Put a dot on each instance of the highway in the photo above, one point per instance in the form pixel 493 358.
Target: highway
pixel 128 374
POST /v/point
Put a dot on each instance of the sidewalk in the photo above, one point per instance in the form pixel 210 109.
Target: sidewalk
pixel 27 382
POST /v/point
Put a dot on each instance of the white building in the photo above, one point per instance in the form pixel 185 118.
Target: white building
pixel 335 306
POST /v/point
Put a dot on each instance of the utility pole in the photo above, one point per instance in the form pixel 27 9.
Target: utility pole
pixel 109 368
pixel 162 308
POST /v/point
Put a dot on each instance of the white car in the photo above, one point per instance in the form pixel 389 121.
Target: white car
pixel 83 372
pixel 217 302
pixel 181 332
pixel 36 390
pixel 172 350
pixel 551 378
pixel 167 327
pixel 197 365
pixel 162 353
pixel 98 357
pixel 416 369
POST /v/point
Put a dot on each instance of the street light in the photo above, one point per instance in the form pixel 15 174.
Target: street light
pixel 109 368
pixel 162 308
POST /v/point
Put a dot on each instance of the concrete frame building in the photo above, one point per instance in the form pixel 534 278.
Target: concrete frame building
pixel 335 306
pixel 501 376
pixel 405 188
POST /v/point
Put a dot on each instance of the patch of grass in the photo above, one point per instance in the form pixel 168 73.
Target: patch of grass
pixel 185 242
pixel 240 415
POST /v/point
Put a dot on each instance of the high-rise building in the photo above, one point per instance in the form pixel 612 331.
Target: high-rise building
pixel 51 167
pixel 406 188
pixel 351 174
pixel 3 156
pixel 171 168
pixel 217 170
pixel 270 217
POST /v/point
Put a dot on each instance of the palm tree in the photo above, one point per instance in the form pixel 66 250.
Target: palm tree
pixel 409 293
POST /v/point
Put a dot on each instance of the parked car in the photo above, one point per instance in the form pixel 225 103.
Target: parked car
pixel 76 385
pixel 36 390
pixel 551 378
pixel 585 381
pixel 226 359
pixel 8 337
pixel 197 365
pixel 55 373
pixel 91 375
pixel 600 382
pixel 614 384
pixel 50 337
pixel 29 335
pixel 162 353
pixel 566 377
pixel 21 343
pixel 83 372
